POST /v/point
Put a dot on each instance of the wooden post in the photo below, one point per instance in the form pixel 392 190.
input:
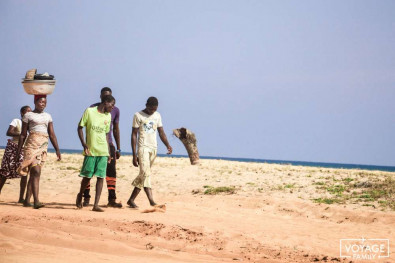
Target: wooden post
pixel 189 140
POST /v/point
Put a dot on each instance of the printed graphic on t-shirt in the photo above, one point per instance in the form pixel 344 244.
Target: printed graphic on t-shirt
pixel 149 126
pixel 99 129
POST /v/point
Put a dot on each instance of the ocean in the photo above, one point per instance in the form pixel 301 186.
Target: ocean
pixel 249 160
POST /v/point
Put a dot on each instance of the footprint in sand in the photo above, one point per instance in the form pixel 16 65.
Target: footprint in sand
pixel 157 208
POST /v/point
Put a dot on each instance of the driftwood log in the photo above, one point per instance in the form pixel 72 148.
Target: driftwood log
pixel 188 138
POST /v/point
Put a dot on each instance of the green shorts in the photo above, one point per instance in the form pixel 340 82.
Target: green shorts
pixel 94 165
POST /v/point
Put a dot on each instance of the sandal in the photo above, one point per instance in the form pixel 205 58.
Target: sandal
pixel 38 206
pixel 97 209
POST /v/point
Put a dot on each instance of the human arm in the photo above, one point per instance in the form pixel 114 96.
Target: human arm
pixel 163 138
pixel 81 136
pixel 54 140
pixel 134 144
pixel 116 134
pixel 22 137
pixel 12 131
pixel 109 149
pixel 83 122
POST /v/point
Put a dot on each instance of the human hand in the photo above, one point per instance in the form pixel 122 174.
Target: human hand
pixel 109 158
pixel 169 149
pixel 86 151
pixel 136 161
pixel 59 155
pixel 118 154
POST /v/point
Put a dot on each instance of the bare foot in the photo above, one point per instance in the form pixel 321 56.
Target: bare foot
pixel 97 209
pixel 132 204
pixel 21 200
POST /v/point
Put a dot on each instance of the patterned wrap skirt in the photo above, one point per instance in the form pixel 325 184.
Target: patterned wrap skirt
pixel 10 162
pixel 34 152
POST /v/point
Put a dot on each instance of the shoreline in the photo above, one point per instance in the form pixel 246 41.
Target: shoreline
pixel 383 168
pixel 370 167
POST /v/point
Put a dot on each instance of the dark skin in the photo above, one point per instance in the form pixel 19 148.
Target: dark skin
pixel 115 132
pixel 13 131
pixel 105 107
pixel 115 129
pixel 162 135
pixel 35 171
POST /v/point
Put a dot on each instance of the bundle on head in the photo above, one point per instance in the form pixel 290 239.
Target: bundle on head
pixel 188 138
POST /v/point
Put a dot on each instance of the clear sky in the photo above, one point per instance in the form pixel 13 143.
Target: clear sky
pixel 283 80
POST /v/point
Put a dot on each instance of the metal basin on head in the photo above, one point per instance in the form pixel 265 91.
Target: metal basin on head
pixel 38 87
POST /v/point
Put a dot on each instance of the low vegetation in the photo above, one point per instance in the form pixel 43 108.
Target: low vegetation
pixel 210 190
pixel 372 192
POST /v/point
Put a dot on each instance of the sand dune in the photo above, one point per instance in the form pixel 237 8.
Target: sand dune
pixel 269 217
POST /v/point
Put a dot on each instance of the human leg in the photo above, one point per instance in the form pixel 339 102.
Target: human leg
pixel 133 196
pixel 100 172
pixel 87 171
pixel 27 203
pixel 9 164
pixel 148 192
pixel 147 181
pixel 85 181
pixel 99 187
pixel 143 180
pixel 111 179
pixel 35 173
pixel 87 196
pixel 22 189
pixel 139 181
pixel 2 182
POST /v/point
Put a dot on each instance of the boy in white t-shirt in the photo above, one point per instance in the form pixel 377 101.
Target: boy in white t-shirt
pixel 146 123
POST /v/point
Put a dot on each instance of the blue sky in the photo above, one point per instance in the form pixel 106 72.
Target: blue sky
pixel 285 80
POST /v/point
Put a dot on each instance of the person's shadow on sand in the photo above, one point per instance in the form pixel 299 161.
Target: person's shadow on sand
pixel 52 205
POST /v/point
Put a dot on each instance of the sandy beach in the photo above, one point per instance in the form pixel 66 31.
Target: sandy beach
pixel 217 211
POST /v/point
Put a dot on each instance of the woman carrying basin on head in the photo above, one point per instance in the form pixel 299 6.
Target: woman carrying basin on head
pixel 40 127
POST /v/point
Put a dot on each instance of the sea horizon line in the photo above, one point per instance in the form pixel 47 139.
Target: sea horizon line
pixel 384 168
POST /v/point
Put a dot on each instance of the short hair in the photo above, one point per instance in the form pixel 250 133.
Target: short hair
pixel 107 98
pixel 105 89
pixel 152 101
pixel 24 108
